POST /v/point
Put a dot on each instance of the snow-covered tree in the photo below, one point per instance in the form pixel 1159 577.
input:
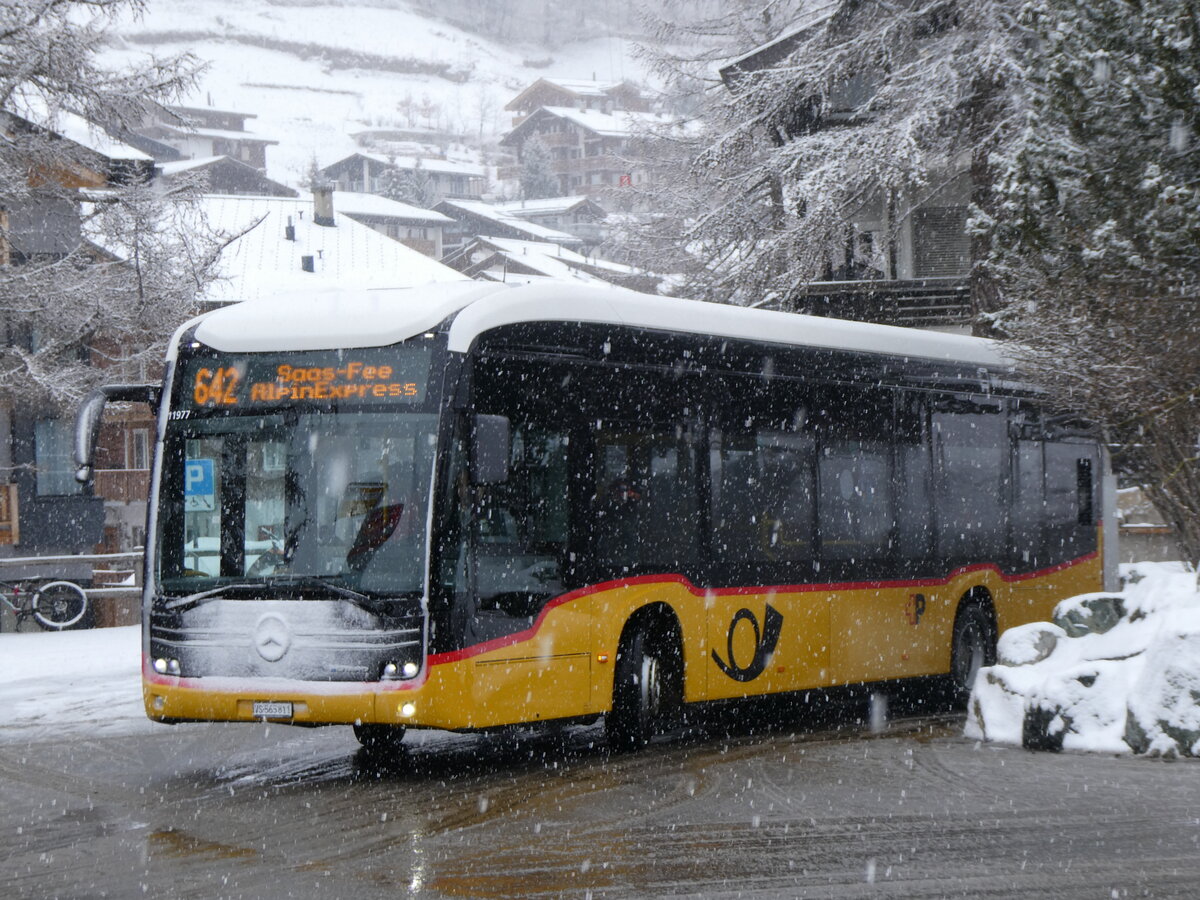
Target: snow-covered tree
pixel 1096 231
pixel 537 170
pixel 861 111
pixel 408 185
pixel 74 289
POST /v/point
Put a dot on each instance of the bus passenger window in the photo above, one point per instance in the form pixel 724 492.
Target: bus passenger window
pixel 972 451
pixel 763 496
pixel 1069 513
pixel 855 518
pixel 644 501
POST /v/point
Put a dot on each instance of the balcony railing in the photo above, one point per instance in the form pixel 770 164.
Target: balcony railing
pixel 918 303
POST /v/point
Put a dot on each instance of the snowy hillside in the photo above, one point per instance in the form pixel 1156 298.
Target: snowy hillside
pixel 314 73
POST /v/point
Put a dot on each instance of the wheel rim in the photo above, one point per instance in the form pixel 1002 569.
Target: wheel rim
pixel 61 608
pixel 650 689
pixel 969 655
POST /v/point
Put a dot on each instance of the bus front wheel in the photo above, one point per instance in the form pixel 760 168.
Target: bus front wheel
pixel 380 738
pixel 645 691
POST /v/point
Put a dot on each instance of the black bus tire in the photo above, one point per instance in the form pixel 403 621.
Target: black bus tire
pixel 645 695
pixel 972 646
pixel 59 605
pixel 384 739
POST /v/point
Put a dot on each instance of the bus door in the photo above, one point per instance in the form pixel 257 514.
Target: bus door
pixel 530 644
pixel 768 624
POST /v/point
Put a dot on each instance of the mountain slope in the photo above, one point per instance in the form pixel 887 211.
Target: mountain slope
pixel 314 73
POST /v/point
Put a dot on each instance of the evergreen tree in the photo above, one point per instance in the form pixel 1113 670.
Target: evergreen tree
pixel 865 110
pixel 537 171
pixel 1096 233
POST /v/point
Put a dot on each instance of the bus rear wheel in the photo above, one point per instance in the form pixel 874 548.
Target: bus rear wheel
pixel 972 647
pixel 647 689
pixel 380 738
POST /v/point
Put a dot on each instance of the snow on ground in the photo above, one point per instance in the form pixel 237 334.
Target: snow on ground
pixel 54 684
pixel 1115 673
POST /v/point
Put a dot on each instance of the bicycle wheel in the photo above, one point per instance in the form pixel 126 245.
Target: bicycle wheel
pixel 59 605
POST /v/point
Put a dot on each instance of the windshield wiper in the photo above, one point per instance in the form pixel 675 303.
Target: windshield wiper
pixel 362 601
pixel 268 589
pixel 202 597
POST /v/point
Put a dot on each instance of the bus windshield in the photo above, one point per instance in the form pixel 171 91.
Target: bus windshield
pixel 309 498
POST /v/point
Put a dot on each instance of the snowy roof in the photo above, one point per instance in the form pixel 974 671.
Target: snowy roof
pixel 578 87
pixel 218 133
pixel 817 11
pixel 210 111
pixel 73 127
pixel 508 220
pixel 546 205
pixel 355 203
pixel 555 261
pixel 186 165
pixel 333 318
pixel 263 261
pixel 615 124
pixel 446 166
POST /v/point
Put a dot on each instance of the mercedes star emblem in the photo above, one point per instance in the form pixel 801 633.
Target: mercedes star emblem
pixel 272 637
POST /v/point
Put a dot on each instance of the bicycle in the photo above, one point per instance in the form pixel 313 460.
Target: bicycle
pixel 55 605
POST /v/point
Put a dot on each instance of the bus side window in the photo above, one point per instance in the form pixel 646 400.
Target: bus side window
pixel 644 499
pixel 762 496
pixel 972 452
pixel 1070 509
pixel 914 490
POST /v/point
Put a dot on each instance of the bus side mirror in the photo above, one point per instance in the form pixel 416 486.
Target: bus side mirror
pixel 490 448
pixel 91 411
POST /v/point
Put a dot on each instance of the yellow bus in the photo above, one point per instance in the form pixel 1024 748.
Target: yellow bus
pixel 473 506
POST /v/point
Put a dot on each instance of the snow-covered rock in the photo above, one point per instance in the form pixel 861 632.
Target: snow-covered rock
pixel 1113 672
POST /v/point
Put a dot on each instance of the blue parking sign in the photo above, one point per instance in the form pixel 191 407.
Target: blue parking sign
pixel 199 489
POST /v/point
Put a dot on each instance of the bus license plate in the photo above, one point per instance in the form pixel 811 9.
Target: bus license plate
pixel 269 709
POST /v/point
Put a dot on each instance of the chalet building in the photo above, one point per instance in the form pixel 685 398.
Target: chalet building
pixel 512 261
pixel 43 510
pixel 196 132
pixel 579 215
pixel 603 96
pixel 420 229
pixel 901 268
pixel 363 173
pixel 224 175
pixel 591 150
pixel 472 219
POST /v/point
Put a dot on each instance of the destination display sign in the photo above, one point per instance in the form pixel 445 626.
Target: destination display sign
pixel 374 376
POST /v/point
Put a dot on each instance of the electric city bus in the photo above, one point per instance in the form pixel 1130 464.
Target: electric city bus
pixel 480 505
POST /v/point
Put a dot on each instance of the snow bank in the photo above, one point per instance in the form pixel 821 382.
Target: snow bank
pixel 1113 672
pixel 55 684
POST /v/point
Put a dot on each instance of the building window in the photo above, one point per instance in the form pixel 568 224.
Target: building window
pixel 53 441
pixel 139 449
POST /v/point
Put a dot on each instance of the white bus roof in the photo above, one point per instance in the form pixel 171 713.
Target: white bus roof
pixel 332 319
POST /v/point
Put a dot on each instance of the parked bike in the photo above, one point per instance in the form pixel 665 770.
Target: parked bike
pixel 55 605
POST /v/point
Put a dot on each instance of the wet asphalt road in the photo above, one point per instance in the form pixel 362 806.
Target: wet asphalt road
pixel 809 810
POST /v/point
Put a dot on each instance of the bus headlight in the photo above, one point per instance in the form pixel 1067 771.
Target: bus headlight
pixel 389 671
pixel 166 666
pixel 411 669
